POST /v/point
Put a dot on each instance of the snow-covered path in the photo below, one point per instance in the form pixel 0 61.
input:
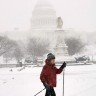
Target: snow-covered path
pixel 79 81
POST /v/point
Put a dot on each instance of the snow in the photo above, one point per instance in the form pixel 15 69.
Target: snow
pixel 79 81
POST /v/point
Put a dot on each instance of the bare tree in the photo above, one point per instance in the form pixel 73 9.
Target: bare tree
pixel 11 49
pixel 74 45
pixel 17 53
pixel 5 45
pixel 37 47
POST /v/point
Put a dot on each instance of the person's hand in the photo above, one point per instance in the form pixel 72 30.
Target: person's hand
pixel 46 86
pixel 64 64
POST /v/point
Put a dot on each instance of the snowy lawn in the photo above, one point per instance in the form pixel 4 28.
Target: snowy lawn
pixel 79 81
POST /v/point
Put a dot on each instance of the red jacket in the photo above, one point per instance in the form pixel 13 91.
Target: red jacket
pixel 49 73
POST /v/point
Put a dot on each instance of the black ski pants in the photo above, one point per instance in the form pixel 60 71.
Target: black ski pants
pixel 50 92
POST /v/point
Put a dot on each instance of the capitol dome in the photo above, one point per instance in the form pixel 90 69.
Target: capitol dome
pixel 43 15
pixel 43 3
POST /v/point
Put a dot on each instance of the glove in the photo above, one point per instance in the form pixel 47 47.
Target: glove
pixel 46 86
pixel 63 65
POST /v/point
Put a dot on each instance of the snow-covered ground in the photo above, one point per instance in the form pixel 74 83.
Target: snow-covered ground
pixel 79 81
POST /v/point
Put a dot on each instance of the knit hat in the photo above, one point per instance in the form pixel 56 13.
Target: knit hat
pixel 50 56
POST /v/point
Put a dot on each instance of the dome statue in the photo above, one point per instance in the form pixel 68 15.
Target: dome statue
pixel 59 22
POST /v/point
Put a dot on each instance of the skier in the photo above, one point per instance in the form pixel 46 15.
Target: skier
pixel 48 74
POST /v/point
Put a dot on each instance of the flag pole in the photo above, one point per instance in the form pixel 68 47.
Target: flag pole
pixel 63 80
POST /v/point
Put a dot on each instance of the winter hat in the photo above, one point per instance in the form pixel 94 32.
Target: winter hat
pixel 50 56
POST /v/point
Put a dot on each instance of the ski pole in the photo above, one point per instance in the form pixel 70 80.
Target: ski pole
pixel 39 92
pixel 63 81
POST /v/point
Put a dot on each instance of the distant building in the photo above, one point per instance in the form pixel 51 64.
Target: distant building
pixel 44 23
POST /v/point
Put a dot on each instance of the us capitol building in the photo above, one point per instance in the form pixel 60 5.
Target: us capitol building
pixel 45 24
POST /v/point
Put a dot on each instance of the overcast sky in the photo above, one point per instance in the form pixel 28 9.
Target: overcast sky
pixel 77 14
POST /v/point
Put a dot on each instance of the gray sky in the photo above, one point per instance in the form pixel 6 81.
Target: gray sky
pixel 77 14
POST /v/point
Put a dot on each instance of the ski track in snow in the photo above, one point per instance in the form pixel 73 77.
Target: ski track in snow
pixel 79 81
